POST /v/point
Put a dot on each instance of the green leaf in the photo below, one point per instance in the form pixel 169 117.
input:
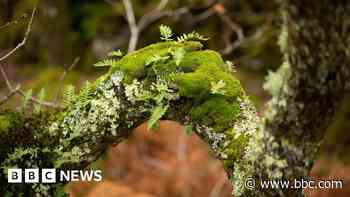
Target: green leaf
pixel 165 32
pixel 115 54
pixel 189 130
pixel 155 58
pixel 192 36
pixel 218 87
pixel 41 98
pixel 157 114
pixel 68 96
pixel 178 55
pixel 26 99
pixel 86 93
pixel 106 62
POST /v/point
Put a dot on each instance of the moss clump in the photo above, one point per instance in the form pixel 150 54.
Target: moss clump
pixel 208 67
pixel 4 124
pixel 216 112
pixel 8 120
pixel 134 64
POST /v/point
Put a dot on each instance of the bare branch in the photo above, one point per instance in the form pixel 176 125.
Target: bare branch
pixel 137 27
pixel 26 35
pixel 9 95
pixel 21 92
pixel 220 10
pixel 63 76
pixel 134 30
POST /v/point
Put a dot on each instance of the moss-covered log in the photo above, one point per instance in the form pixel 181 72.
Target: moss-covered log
pixel 179 80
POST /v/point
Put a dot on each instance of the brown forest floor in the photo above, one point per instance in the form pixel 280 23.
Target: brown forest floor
pixel 169 163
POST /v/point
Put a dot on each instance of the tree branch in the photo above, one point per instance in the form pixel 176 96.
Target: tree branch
pixel 26 35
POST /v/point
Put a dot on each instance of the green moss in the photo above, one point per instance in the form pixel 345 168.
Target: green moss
pixel 134 64
pixel 8 120
pixel 4 124
pixel 216 112
pixel 208 67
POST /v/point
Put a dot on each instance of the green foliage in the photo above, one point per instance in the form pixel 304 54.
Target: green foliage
pixel 115 54
pixel 156 59
pixel 189 129
pixel 218 87
pixel 26 99
pixel 68 95
pixel 157 114
pixel 165 32
pixel 106 62
pixel 194 36
pixel 41 99
pixel 134 65
pixel 4 124
pixel 86 93
pixel 178 55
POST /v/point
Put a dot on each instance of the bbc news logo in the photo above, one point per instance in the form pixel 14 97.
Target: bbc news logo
pixel 51 175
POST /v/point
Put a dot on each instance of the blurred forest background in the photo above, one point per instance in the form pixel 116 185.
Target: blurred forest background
pixel 167 162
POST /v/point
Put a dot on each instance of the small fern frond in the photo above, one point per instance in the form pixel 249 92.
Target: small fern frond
pixel 106 62
pixel 26 99
pixel 194 36
pixel 86 93
pixel 178 54
pixel 157 114
pixel 41 98
pixel 155 58
pixel 116 54
pixel 165 32
pixel 68 95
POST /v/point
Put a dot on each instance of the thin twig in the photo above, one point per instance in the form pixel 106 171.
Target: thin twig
pixel 22 93
pixel 134 31
pixel 137 27
pixel 26 35
pixel 63 76
pixel 9 95
pixel 4 76
pixel 221 12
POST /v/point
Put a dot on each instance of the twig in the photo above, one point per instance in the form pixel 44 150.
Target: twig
pixel 26 35
pixel 22 93
pixel 137 27
pixel 221 12
pixel 8 96
pixel 63 76
pixel 134 30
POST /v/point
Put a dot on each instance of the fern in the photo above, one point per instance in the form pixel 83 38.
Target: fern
pixel 115 54
pixel 191 36
pixel 165 32
pixel 26 99
pixel 41 98
pixel 106 62
pixel 189 130
pixel 86 93
pixel 68 96
pixel 155 58
pixel 178 55
pixel 157 114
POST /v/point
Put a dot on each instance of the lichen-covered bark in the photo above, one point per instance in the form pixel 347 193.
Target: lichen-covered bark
pixel 181 81
pixel 314 78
